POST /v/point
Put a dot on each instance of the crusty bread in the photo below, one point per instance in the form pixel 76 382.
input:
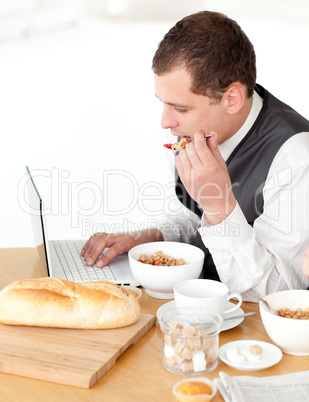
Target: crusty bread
pixel 51 302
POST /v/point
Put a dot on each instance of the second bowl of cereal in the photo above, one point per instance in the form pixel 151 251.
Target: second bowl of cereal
pixel 158 266
pixel 290 328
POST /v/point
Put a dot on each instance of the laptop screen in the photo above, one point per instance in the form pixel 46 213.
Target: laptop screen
pixel 35 202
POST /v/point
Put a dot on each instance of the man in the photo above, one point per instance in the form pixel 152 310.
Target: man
pixel 243 174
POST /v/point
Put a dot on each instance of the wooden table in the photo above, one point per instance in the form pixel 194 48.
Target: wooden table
pixel 138 374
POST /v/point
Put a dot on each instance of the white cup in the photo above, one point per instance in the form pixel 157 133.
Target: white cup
pixel 212 295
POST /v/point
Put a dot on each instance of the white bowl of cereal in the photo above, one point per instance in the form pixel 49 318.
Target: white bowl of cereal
pixel 158 279
pixel 290 334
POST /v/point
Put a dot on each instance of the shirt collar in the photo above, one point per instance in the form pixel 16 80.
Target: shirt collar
pixel 227 147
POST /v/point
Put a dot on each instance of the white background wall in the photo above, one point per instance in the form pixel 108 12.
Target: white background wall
pixel 77 105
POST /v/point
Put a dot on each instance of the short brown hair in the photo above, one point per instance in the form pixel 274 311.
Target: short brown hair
pixel 214 50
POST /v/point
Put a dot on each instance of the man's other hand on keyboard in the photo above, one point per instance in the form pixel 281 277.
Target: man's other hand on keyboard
pixel 116 243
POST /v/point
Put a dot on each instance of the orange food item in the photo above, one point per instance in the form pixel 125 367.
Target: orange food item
pixel 194 388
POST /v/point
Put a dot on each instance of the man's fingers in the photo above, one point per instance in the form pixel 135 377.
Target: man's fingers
pixel 112 252
pixel 213 147
pixel 116 244
pixel 96 246
pixel 85 248
pixel 197 150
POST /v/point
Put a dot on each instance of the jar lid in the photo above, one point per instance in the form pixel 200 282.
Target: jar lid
pixel 209 322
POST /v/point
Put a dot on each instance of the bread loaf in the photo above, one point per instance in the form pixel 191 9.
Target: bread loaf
pixel 51 302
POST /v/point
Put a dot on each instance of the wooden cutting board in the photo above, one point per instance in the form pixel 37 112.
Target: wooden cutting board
pixel 67 356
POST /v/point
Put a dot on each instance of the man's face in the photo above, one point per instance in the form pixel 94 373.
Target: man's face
pixel 185 112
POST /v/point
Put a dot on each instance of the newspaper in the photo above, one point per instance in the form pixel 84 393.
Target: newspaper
pixel 281 388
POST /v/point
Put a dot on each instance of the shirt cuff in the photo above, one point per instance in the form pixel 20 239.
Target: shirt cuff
pixel 227 233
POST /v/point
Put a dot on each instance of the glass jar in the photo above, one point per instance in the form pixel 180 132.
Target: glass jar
pixel 190 340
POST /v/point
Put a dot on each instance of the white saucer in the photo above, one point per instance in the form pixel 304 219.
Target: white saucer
pixel 271 355
pixel 226 325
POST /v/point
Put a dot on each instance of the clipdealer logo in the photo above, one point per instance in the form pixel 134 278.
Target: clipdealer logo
pixel 87 198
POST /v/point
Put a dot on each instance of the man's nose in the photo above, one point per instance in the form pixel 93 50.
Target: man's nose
pixel 168 119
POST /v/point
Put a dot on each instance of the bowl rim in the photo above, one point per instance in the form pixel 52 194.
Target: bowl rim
pixel 196 379
pixel 264 310
pixel 200 255
pixel 285 291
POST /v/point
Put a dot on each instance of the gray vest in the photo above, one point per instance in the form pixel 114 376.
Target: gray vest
pixel 250 161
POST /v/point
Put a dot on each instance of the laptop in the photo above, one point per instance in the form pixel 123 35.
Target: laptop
pixel 61 258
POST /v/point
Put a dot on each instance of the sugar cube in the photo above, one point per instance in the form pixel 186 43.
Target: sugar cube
pixel 168 351
pixel 253 358
pixel 189 331
pixel 199 365
pixel 231 352
pixel 199 330
pixel 255 349
pixel 198 355
pixel 187 365
pixel 175 326
pixel 237 359
pixel 187 353
pixel 181 343
pixel 244 352
pixel 199 362
pixel 195 343
pixel 169 340
pixel 178 358
pixel 170 361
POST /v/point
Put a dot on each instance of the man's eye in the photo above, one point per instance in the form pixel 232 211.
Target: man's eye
pixel 180 110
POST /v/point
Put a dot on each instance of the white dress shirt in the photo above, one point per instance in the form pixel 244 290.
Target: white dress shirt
pixel 267 257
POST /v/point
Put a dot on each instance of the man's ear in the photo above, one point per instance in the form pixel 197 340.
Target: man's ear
pixel 235 96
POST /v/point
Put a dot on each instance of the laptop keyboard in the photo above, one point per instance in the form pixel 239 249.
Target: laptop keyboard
pixel 74 265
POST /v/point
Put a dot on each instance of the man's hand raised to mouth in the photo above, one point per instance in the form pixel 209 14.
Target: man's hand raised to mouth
pixel 204 174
